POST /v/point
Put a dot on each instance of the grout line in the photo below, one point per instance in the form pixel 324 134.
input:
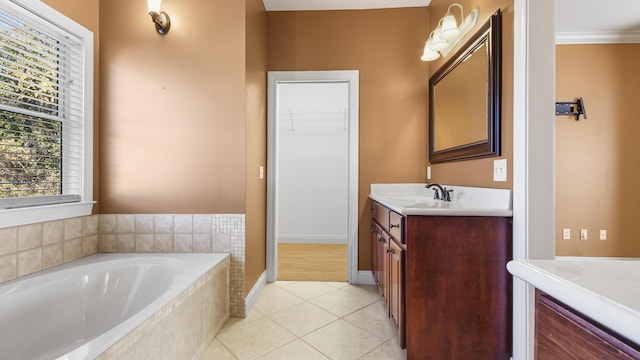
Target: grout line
pixel 269 317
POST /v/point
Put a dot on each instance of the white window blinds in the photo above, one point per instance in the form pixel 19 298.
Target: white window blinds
pixel 41 110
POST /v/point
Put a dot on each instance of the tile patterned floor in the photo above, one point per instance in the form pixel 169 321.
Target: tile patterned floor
pixel 310 320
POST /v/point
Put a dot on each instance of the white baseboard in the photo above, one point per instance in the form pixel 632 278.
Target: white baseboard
pixel 365 277
pixel 253 295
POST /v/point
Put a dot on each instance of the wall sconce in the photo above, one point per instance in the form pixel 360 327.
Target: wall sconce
pixel 159 18
pixel 448 34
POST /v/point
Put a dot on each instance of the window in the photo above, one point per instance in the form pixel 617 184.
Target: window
pixel 46 114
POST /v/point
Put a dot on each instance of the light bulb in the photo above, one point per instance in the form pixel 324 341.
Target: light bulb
pixel 154 5
pixel 449 27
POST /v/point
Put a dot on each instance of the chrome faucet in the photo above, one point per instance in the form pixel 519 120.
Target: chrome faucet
pixel 440 192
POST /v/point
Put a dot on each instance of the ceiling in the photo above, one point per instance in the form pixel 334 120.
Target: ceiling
pixel 572 16
pixel 297 5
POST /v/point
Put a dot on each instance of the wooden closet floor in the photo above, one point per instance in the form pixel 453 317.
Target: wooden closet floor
pixel 312 262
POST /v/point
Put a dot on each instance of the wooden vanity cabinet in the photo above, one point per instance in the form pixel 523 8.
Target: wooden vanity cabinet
pixel 380 263
pixel 448 286
pixel 388 264
pixel 563 333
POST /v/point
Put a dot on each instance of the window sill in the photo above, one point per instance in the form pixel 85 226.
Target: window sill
pixel 36 214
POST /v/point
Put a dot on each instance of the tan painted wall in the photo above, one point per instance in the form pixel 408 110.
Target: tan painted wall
pixel 85 13
pixel 385 46
pixel 172 112
pixel 597 167
pixel 256 143
pixel 479 172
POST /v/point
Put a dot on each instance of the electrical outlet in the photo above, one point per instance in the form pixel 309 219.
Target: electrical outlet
pixel 428 172
pixel 584 234
pixel 261 175
pixel 566 234
pixel 500 170
pixel 603 234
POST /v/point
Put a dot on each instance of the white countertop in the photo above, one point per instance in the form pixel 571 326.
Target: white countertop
pixel 606 290
pixel 415 199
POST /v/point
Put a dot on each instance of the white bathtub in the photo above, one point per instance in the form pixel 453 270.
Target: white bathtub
pixel 82 308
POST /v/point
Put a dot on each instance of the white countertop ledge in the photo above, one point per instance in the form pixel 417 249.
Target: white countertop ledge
pixel 606 290
pixel 415 199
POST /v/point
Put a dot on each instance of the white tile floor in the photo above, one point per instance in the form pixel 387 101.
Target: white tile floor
pixel 310 320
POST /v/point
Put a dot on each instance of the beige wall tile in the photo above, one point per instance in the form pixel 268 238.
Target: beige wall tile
pixel 29 261
pixel 163 223
pixel 145 224
pixel 52 232
pixel 183 224
pixel 202 243
pixel 126 242
pixel 73 228
pixel 222 243
pixel 183 242
pixel 126 224
pixel 29 236
pixel 8 266
pixel 107 224
pixel 144 243
pixel 202 224
pixel 52 255
pixel 107 243
pixel 91 224
pixel 90 245
pixel 8 240
pixel 164 243
pixel 72 249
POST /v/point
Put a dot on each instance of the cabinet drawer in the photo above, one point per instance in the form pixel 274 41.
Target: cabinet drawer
pixel 381 214
pixel 396 226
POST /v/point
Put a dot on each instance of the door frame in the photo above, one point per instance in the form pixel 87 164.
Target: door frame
pixel 351 77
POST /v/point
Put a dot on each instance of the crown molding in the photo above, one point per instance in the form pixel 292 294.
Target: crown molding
pixel 602 37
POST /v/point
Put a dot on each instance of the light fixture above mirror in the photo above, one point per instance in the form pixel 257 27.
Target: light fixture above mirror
pixel 448 34
pixel 159 18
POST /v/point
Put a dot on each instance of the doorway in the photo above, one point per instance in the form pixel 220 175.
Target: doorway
pixel 312 182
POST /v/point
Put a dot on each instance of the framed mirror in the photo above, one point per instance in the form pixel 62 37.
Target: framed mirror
pixel 465 99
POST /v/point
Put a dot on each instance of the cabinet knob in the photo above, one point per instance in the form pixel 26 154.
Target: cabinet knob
pixel 391 226
pixel 379 237
pixel 390 250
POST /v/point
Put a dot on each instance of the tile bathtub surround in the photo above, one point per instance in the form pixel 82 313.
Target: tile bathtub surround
pixel 168 232
pixel 183 328
pixel 30 248
pixel 197 233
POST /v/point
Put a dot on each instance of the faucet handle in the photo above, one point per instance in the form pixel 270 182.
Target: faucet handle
pixel 436 194
pixel 446 194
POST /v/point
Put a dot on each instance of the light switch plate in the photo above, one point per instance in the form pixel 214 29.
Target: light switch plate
pixel 428 172
pixel 500 170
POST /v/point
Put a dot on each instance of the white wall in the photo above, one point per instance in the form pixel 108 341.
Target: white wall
pixel 312 173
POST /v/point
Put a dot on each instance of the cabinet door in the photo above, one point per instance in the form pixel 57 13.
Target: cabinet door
pixel 375 234
pixel 383 266
pixel 396 288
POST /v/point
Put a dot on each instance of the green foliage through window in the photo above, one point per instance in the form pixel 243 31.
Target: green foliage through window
pixel 30 126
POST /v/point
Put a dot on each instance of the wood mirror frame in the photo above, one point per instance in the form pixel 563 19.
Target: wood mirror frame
pixel 455 111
